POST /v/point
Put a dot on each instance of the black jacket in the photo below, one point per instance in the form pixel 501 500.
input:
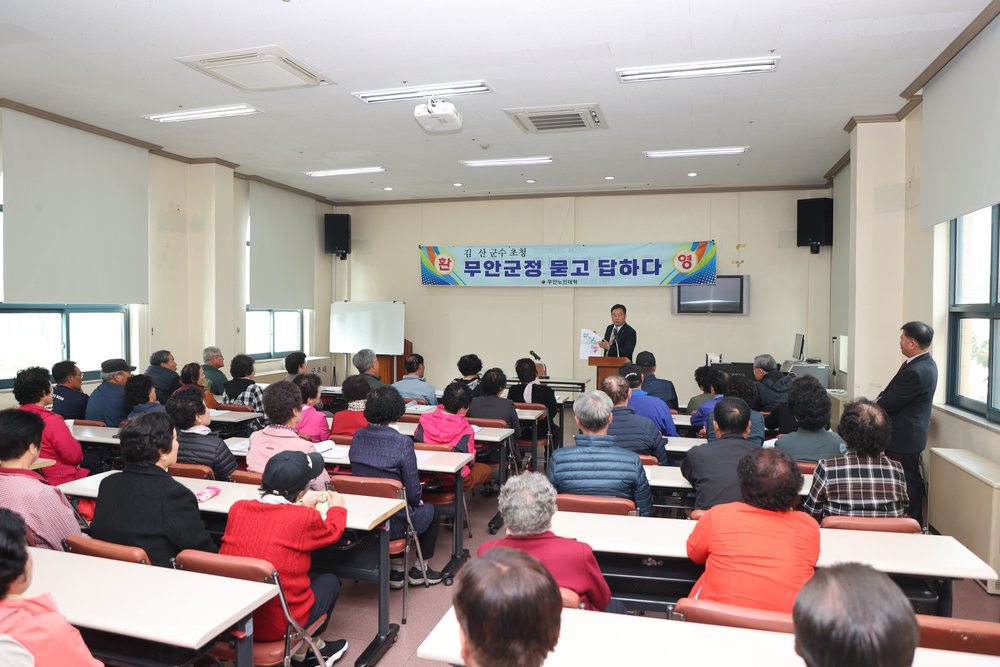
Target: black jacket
pixel 144 506
pixel 165 380
pixel 207 450
pixel 772 391
pixel 539 394
pixel 623 344
pixel 711 469
pixel 907 399
pixel 494 407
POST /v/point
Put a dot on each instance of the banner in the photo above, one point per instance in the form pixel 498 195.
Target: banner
pixel 606 265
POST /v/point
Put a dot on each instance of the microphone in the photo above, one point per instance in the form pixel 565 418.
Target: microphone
pixel 536 357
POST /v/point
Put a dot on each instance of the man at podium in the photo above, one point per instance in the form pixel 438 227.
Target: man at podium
pixel 619 337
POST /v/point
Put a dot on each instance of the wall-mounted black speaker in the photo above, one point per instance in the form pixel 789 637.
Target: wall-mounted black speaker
pixel 338 234
pixel 815 223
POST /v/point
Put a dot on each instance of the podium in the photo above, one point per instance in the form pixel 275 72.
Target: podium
pixel 606 366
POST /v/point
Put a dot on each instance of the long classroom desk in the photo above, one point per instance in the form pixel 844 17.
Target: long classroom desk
pixel 102 435
pixel 595 638
pixel 933 556
pixel 364 513
pixel 443 463
pixel 117 598
pixel 681 445
pixel 671 479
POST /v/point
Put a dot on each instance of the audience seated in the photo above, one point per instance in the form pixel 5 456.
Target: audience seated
pixel 43 507
pixel 242 390
pixel 645 405
pixel 757 552
pixel 470 365
pixel 140 394
pixel 717 383
pixel 107 402
pixel 313 421
pixel 631 431
pixel 596 466
pixel 193 375
pixel 295 364
pixel 68 400
pixel 144 506
pixel 195 441
pixel 491 405
pixel 527 503
pixel 33 391
pixel 284 526
pixel 850 614
pixel 711 468
pixel 530 390
pixel 812 440
pixel 447 425
pixel 215 379
pixel 283 407
pixel 378 450
pixel 864 481
pixel 772 384
pixel 367 364
pixel 413 385
pixel 346 422
pixel 654 386
pixel 163 371
pixel 513 625
pixel 701 378
pixel 743 387
pixel 40 634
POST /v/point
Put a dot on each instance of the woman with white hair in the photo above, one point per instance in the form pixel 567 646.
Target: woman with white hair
pixel 527 503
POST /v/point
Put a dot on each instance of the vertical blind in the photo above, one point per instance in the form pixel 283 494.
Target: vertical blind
pixel 282 238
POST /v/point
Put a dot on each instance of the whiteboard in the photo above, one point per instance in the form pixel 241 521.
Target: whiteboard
pixel 378 325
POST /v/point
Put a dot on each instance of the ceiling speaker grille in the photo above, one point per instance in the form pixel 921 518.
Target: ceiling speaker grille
pixel 570 118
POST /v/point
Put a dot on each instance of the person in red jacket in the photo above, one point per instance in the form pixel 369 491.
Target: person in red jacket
pixel 33 392
pixel 35 624
pixel 284 527
pixel 346 422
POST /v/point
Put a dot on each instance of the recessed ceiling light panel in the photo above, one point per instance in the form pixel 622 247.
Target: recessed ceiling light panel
pixel 695 70
pixel 509 162
pixel 698 152
pixel 202 114
pixel 256 69
pixel 346 172
pixel 422 92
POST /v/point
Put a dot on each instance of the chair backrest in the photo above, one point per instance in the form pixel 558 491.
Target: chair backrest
pixel 88 422
pixel 432 446
pixel 235 567
pixel 569 502
pixel 342 439
pixel 541 369
pixel 232 407
pixel 959 634
pixel 570 599
pixel 903 524
pixel 88 546
pixel 533 406
pixel 379 487
pixel 192 470
pixel 486 423
pixel 807 467
pixel 648 460
pixel 719 613
pixel 29 537
pixel 247 477
pixel 211 402
pixel 410 419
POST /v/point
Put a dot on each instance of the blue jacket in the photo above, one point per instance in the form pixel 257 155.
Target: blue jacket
pixel 69 403
pixel 597 467
pixel 107 404
pixel 756 429
pixel 654 410
pixel 165 380
pixel 704 415
pixel 414 386
pixel 661 389
pixel 637 433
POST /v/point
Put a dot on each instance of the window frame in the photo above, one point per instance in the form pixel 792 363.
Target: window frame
pixel 277 354
pixel 65 310
pixel 988 311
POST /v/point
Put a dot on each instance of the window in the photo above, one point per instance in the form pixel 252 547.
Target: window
pixel 974 314
pixel 41 335
pixel 270 333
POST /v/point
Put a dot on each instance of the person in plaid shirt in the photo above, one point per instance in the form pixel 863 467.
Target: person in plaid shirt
pixel 242 390
pixel 864 481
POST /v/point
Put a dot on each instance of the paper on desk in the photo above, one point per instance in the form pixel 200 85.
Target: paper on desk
pixel 423 455
pixel 238 444
pixel 420 408
pixel 216 413
pixel 476 429
pixel 589 347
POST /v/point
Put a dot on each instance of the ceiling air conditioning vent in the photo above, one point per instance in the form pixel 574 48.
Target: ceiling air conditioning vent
pixel 569 118
pixel 256 69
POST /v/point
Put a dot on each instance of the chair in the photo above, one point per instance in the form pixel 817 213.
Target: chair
pixel 570 599
pixel 88 422
pixel 232 407
pixel 29 537
pixel 387 488
pixel 959 634
pixel 569 502
pixel 342 439
pixel 483 422
pixel 247 477
pixel 807 467
pixel 525 442
pixel 443 498
pixel 719 613
pixel 410 419
pixel 253 569
pixel 903 524
pixel 648 460
pixel 88 546
pixel 191 470
pixel 211 402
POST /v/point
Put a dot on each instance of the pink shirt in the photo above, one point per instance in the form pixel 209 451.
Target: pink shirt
pixel 266 443
pixel 44 508
pixel 313 423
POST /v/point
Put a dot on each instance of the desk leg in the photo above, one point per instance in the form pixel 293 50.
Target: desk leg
pixel 945 597
pixel 459 554
pixel 534 446
pixel 387 632
pixel 244 642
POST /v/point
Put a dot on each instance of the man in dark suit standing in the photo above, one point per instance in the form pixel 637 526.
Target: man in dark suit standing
pixel 907 400
pixel 619 338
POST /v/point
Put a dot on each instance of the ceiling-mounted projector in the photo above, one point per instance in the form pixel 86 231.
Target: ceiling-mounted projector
pixel 438 117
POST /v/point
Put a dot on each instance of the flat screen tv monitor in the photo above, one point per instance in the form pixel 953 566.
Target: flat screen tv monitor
pixel 798 350
pixel 730 295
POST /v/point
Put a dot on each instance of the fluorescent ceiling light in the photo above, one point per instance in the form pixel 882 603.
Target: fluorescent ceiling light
pixel 508 162
pixel 346 172
pixel 693 70
pixel 202 114
pixel 698 152
pixel 421 92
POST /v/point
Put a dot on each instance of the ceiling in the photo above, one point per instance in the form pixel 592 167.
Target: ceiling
pixel 107 63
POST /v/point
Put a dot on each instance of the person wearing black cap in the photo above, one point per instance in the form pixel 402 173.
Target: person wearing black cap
pixel 654 386
pixel 284 527
pixel 107 402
